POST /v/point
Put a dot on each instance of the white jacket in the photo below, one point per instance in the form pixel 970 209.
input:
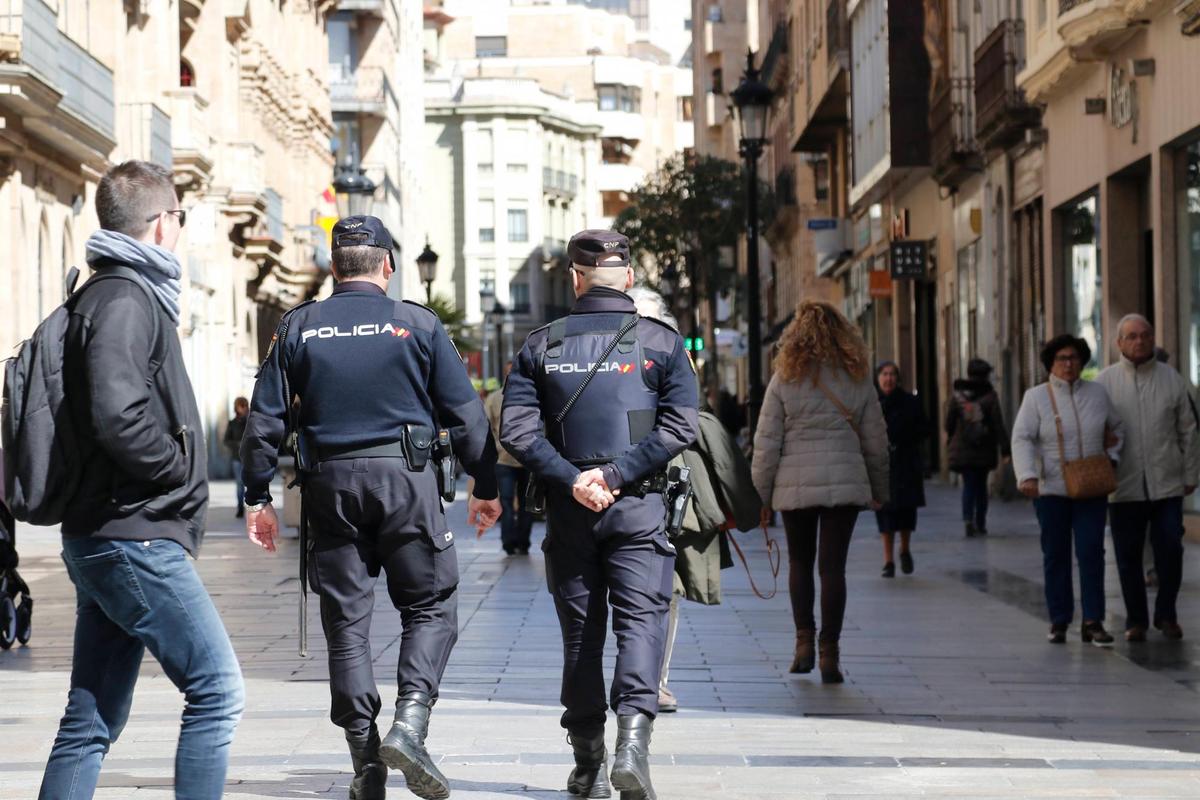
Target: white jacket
pixel 1162 452
pixel 807 455
pixel 1085 411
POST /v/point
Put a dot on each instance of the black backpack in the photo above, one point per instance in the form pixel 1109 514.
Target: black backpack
pixel 42 464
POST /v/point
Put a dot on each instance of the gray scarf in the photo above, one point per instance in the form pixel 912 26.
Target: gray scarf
pixel 157 266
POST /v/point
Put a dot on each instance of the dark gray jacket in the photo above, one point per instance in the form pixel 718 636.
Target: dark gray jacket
pixel 144 465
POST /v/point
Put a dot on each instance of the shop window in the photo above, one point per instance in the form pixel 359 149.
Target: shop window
pixel 1081 261
pixel 491 46
pixel 968 304
pixel 1187 215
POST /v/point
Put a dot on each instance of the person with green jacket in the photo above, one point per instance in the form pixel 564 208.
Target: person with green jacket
pixel 723 493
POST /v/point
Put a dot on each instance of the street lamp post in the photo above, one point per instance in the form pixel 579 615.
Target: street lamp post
pixel 487 304
pixel 353 190
pixel 752 99
pixel 427 268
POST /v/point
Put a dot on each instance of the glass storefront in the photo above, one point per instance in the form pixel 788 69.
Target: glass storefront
pixel 1081 258
pixel 1187 221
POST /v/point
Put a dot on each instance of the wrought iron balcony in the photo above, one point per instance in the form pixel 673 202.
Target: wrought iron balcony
pixel 953 150
pixel 1001 111
pixel 775 63
pixel 365 90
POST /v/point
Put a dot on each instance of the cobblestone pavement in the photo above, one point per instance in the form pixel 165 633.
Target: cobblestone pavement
pixel 951 688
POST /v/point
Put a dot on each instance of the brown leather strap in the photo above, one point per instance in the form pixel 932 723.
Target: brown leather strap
pixel 1062 447
pixel 773 561
pixel 841 407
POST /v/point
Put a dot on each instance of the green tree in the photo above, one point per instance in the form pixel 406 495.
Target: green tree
pixel 455 321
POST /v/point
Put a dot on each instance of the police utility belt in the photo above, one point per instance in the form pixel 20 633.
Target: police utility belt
pixel 418 444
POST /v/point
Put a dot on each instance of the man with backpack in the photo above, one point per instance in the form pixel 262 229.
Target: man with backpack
pixel 135 518
pixel 975 427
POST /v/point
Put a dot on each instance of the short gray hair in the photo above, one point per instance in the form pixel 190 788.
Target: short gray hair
pixel 611 277
pixel 1132 318
pixel 657 305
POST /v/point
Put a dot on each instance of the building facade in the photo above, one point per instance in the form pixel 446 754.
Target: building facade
pixel 512 171
pixel 202 88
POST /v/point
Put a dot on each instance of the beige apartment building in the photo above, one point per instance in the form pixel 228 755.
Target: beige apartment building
pixel 204 88
pixel 642 95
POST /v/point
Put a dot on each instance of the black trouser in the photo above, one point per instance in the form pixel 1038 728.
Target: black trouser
pixel 1129 522
pixel 836 526
pixel 975 496
pixel 365 514
pixel 619 556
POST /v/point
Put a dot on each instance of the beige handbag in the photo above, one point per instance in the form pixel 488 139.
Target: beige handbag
pixel 1085 478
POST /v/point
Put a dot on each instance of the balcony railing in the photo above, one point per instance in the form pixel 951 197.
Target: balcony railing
pixel 56 59
pixel 1001 111
pixel 365 90
pixel 559 182
pixel 146 133
pixel 953 150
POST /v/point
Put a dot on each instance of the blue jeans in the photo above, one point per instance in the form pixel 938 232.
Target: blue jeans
pixel 132 597
pixel 1059 517
pixel 975 497
pixel 241 487
pixel 515 525
pixel 1129 522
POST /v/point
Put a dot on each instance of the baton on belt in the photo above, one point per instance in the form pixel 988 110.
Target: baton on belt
pixel 303 577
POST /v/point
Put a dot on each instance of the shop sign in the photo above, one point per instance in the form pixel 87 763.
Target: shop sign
pixel 1122 100
pixel 909 258
pixel 880 284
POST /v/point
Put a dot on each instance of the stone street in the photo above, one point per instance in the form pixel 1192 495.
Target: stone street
pixel 951 689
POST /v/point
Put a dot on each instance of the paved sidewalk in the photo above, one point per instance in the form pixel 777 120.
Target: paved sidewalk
pixel 951 688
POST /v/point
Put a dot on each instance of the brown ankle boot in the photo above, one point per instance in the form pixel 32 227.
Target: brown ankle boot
pixel 830 673
pixel 802 662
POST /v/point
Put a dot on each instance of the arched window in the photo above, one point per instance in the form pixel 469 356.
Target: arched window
pixel 187 75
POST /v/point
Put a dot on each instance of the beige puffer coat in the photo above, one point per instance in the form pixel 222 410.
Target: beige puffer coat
pixel 807 455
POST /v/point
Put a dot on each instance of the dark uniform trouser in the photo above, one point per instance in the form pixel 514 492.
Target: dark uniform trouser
pixel 619 556
pixel 370 513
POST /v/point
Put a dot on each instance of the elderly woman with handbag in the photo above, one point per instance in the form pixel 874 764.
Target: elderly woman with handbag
pixel 1066 441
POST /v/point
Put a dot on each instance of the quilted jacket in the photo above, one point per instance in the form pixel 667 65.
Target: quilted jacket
pixel 805 452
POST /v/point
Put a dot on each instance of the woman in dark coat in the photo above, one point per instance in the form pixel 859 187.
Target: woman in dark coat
pixel 907 429
pixel 975 427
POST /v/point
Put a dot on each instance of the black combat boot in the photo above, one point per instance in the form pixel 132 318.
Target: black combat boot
pixel 631 761
pixel 370 774
pixel 404 748
pixel 590 777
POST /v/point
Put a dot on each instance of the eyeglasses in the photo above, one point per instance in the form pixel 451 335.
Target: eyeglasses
pixel 181 212
pixel 1067 359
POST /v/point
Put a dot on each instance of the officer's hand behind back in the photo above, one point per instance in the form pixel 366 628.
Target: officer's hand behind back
pixel 263 527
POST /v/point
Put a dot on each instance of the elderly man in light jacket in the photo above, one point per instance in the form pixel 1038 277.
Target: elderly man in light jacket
pixel 1160 465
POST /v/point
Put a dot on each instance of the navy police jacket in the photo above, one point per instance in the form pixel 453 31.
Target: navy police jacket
pixel 639 410
pixel 364 366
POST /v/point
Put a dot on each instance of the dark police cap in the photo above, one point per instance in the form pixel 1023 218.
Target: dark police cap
pixel 361 231
pixel 590 248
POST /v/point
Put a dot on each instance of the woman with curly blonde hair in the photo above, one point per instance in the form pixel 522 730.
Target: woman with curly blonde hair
pixel 820 456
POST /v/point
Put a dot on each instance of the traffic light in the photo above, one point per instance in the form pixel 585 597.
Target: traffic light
pixel 694 344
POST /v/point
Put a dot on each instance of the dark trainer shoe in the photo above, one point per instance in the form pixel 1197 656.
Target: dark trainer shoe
pixel 906 563
pixel 590 777
pixel 889 570
pixel 631 762
pixel 1057 635
pixel 1094 633
pixel 404 748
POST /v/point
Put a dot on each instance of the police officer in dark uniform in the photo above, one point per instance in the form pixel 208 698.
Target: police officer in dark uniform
pixel 374 377
pixel 602 465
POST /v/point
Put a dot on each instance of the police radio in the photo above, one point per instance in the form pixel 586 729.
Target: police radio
pixel 446 463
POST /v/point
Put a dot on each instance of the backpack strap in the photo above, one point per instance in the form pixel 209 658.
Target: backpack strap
pixel 119 271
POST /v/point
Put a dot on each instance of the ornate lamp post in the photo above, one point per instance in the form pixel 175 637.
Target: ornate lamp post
pixel 752 101
pixel 353 190
pixel 427 268
pixel 487 304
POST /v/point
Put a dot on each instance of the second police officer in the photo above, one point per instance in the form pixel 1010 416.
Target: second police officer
pixel 375 377
pixel 596 405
